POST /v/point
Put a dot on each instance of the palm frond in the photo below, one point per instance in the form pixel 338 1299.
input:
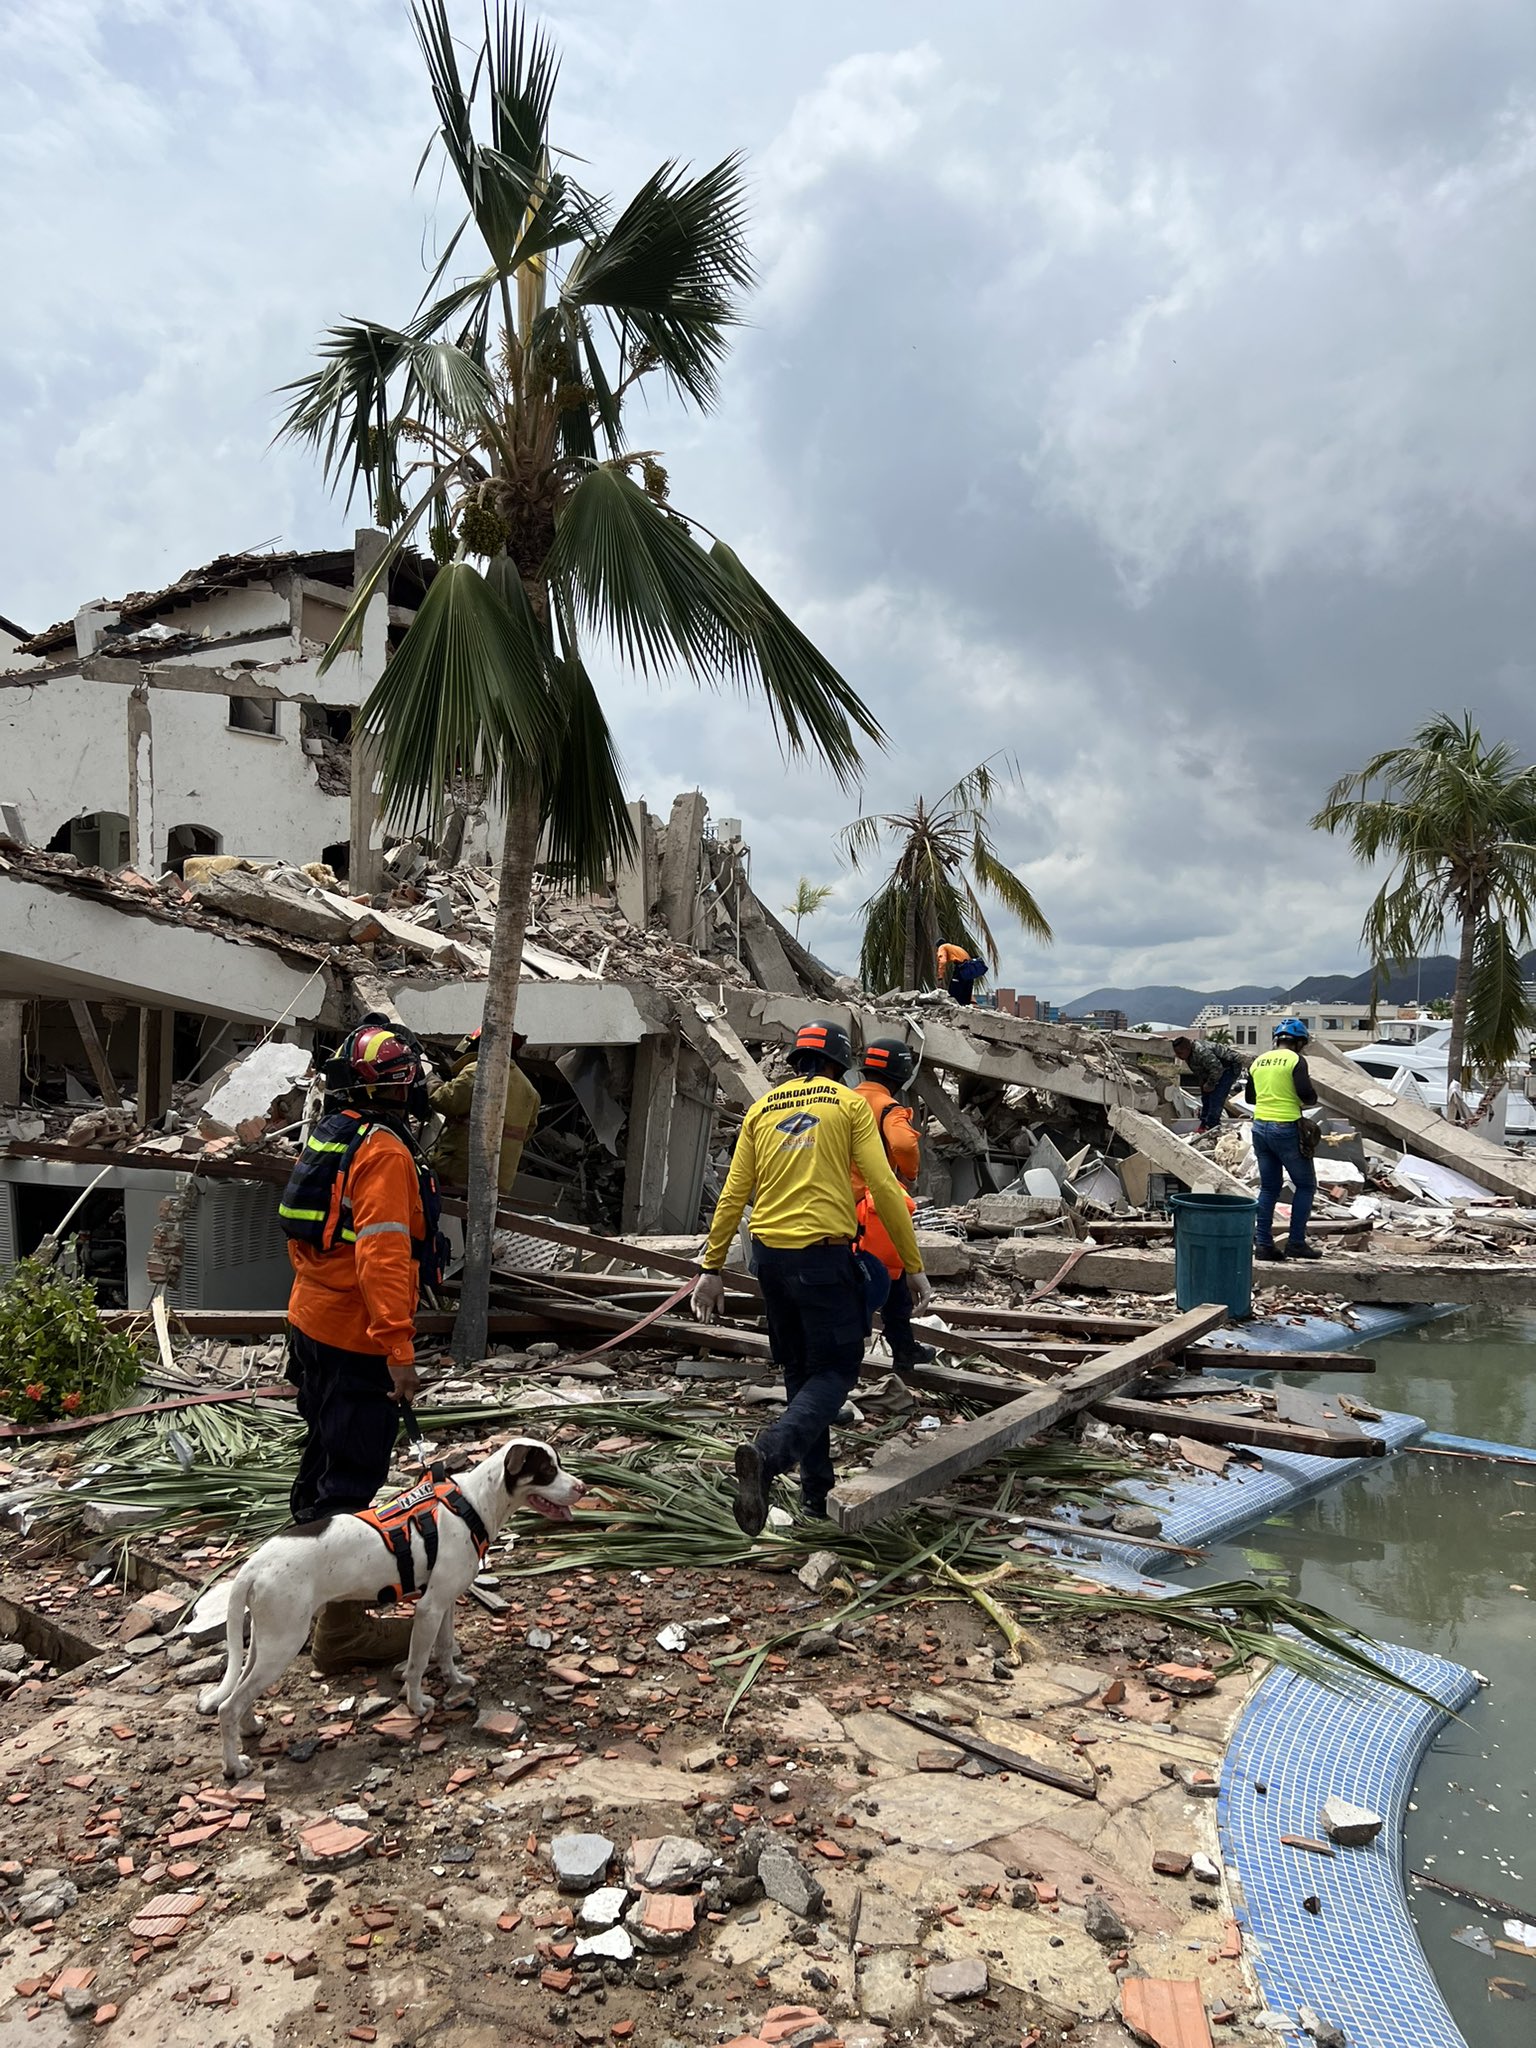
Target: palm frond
pixel 498 181
pixel 349 632
pixel 813 708
pixel 590 830
pixel 633 573
pixel 1005 885
pixel 466 693
pixel 1499 1010
pixel 671 268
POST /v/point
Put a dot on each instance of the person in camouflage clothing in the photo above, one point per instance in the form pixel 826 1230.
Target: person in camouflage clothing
pixel 1215 1070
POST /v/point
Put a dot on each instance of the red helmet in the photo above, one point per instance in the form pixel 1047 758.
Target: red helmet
pixel 374 1059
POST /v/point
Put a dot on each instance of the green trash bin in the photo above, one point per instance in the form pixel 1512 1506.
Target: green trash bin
pixel 1213 1251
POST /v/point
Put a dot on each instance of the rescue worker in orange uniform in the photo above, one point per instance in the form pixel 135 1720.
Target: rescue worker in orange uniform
pixel 887 1066
pixel 959 971
pixel 360 1212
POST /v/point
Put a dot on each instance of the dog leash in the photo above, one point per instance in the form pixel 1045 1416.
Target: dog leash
pixel 634 1329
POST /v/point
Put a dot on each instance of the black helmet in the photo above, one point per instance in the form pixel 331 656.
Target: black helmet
pixel 822 1040
pixel 889 1060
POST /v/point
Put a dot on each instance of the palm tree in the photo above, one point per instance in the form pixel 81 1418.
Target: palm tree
pixel 809 897
pixel 494 419
pixel 929 897
pixel 1457 819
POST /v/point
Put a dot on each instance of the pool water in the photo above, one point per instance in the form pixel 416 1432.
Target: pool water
pixel 1440 1553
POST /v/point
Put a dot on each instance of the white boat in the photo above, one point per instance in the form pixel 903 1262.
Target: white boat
pixel 1412 1057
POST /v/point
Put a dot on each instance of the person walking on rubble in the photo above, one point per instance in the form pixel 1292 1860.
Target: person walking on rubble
pixel 1215 1070
pixel 1279 1087
pixel 452 1099
pixel 887 1066
pixel 794 1162
pixel 360 1212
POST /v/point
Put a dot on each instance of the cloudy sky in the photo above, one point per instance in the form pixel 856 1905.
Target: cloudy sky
pixel 1148 390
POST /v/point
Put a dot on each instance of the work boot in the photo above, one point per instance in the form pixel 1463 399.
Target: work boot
pixel 920 1354
pixel 751 1504
pixel 813 1510
pixel 1303 1251
pixel 1271 1253
pixel 347 1634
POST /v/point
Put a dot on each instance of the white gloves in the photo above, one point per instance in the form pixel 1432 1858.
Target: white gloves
pixel 708 1297
pixel 922 1292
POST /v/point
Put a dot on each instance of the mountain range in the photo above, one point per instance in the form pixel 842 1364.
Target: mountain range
pixel 1427 981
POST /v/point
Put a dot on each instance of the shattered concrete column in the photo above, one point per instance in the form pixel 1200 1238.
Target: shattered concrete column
pixel 649 1144
pixel 141 783
pixel 156 1039
pixel 635 882
pixel 13 1017
pixel 680 863
pixel 365 858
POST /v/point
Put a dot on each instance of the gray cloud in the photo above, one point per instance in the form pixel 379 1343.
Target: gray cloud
pixel 1147 391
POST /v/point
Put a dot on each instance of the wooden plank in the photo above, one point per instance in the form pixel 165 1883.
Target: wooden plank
pixel 1165 1149
pixel 85 1024
pixel 1207 1425
pixel 868 1496
pixel 1352 1277
pixel 1010 1350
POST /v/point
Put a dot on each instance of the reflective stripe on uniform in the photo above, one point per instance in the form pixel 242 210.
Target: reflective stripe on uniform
pixel 377 1230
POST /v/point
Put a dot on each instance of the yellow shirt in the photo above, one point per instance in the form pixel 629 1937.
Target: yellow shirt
pixel 793 1162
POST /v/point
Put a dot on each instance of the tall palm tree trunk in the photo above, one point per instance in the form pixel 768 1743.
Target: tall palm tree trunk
pixel 1456 1056
pixel 519 852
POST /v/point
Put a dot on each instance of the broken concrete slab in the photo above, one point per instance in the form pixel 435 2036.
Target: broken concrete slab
pixel 1351 1277
pixel 1169 1152
pixel 1061 1060
pixel 788 1883
pixel 1345 1087
pixel 953 1982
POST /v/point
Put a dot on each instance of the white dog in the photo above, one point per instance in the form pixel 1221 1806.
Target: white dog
pixel 347 1557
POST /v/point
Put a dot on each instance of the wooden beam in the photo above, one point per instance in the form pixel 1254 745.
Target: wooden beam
pixel 1167 1150
pixel 85 1024
pixel 1054 1353
pixel 1206 1425
pixel 869 1496
pixel 156 1033
pixel 1351 1277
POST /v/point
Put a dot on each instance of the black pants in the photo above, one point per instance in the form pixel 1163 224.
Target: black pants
pixel 351 1426
pixel 817 1324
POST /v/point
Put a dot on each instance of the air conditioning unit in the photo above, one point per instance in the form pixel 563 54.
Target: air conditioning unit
pixel 236 1254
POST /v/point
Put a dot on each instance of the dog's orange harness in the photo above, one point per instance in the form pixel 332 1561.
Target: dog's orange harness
pixel 415 1514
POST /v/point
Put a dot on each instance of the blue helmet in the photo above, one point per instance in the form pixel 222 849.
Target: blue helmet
pixel 1292 1029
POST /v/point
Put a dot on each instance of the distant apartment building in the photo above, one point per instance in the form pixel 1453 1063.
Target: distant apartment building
pixel 1033 1009
pixel 1103 1020
pixel 1253 1024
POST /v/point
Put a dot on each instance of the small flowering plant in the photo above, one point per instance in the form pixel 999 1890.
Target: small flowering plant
pixel 56 1359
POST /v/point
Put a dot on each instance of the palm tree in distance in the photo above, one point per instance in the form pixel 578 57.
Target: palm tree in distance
pixel 944 863
pixel 494 420
pixel 1456 818
pixel 809 897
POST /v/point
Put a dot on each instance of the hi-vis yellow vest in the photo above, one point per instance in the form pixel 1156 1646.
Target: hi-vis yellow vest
pixel 1275 1100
